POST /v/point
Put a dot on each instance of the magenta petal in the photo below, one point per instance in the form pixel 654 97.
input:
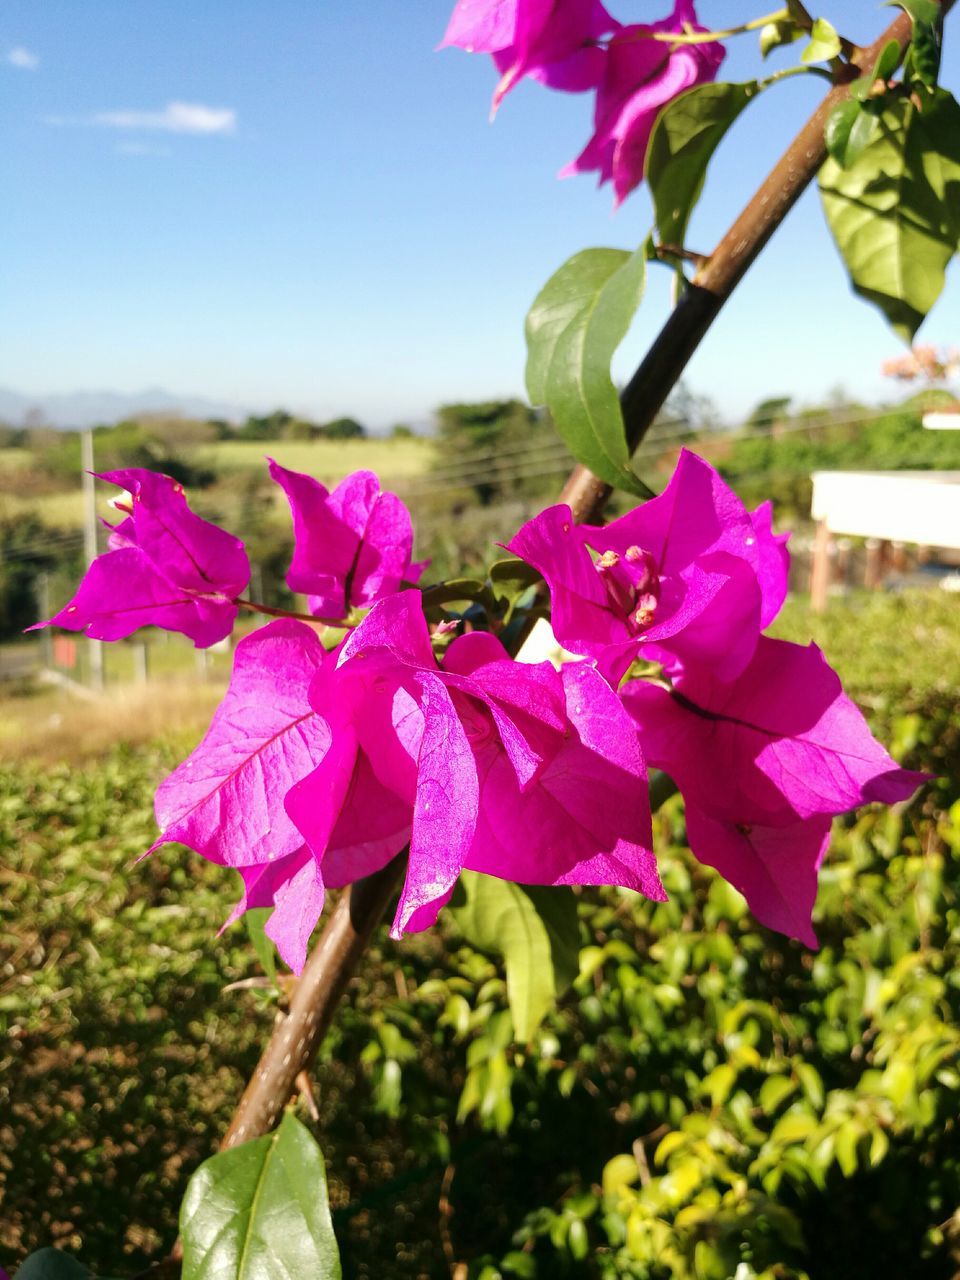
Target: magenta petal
pixel 587 818
pixel 781 742
pixel 484 26
pixel 324 548
pixel 396 626
pixel 226 800
pixel 582 619
pixel 385 549
pixel 373 827
pixel 718 621
pixel 445 814
pixel 299 903
pixel 123 591
pixel 262 880
pixel 475 649
pixel 774 562
pixel 313 803
pixel 188 550
pixel 526 704
pixel 775 868
pixel 639 78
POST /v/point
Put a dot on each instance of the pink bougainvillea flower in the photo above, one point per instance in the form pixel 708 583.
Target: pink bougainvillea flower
pixel 514 770
pixel 351 546
pixel 781 742
pixel 553 41
pixel 165 568
pixel 641 76
pixel 687 577
pixel 226 801
pixel 775 868
pixel 773 563
pixel 763 763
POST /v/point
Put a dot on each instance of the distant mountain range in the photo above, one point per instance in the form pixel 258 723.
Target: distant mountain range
pixel 88 408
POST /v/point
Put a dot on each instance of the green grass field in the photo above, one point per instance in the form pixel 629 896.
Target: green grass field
pixel 327 460
pixel 394 461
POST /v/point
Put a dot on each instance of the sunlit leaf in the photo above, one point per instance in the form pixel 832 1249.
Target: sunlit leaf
pixel 259 1212
pixel 895 211
pixel 575 325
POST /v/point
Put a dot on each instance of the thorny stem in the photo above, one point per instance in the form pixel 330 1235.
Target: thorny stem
pixel 331 965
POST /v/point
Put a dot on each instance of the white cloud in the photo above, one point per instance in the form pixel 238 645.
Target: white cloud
pixel 23 58
pixel 176 117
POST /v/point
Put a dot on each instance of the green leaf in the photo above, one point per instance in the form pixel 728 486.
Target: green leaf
pixel 925 52
pixel 888 61
pixel 255 921
pixel 576 323
pixel 919 10
pixel 847 132
pixel 895 211
pixel 515 571
pixel 776 34
pixel 812 1084
pixel 684 138
pixel 259 1212
pixel 51 1264
pixel 824 42
pixel 532 929
pixel 773 1091
pixel 455 589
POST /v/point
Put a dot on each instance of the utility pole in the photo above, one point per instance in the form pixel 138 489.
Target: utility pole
pixel 95 647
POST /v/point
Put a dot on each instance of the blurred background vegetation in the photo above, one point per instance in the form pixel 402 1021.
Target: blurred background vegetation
pixel 710 1099
pixel 485 469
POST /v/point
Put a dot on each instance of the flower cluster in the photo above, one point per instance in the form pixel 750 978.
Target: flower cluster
pixel 577 46
pixel 336 749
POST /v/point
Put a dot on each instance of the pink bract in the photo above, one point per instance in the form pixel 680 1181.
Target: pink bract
pixel 166 567
pixel 688 577
pixel 641 76
pixel 553 41
pixel 781 742
pixel 763 763
pixel 501 764
pixel 352 547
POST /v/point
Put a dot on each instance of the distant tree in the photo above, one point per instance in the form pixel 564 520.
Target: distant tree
pixel 471 437
pixel 402 431
pixel 11 437
pixel 28 549
pixel 300 429
pixel 763 415
pixel 224 430
pixel 343 429
pixel 270 427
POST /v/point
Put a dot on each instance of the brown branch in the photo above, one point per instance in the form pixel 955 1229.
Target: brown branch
pixel 325 976
pixel 348 929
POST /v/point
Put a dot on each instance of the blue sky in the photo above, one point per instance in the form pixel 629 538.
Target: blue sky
pixel 341 230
